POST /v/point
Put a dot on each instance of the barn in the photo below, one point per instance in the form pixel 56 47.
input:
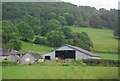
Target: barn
pixel 69 52
pixel 30 58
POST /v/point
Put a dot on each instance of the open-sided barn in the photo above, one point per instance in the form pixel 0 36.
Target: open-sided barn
pixel 70 52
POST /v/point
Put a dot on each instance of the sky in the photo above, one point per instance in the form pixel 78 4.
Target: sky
pixel 107 4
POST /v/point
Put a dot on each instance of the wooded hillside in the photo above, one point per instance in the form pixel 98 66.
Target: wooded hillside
pixel 67 13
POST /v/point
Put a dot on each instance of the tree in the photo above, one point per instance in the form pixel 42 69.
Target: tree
pixel 25 31
pixel 37 29
pixel 9 31
pixel 88 45
pixel 69 18
pixel 82 40
pixel 51 25
pixel 55 38
pixel 68 32
pixel 16 44
pixel 85 24
pixel 116 32
pixel 62 20
pixel 40 40
pixel 52 15
pixel 31 20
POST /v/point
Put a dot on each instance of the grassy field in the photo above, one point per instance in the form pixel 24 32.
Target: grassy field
pixel 102 38
pixel 108 56
pixel 41 49
pixel 59 72
pixel 0 73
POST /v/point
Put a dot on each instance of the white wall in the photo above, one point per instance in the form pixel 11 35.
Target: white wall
pixel 65 48
pixel 81 55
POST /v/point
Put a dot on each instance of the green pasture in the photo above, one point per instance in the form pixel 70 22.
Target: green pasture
pixel 108 56
pixel 41 49
pixel 0 73
pixel 59 72
pixel 103 39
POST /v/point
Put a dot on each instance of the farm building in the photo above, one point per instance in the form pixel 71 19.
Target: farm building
pixel 30 58
pixel 7 54
pixel 20 57
pixel 69 52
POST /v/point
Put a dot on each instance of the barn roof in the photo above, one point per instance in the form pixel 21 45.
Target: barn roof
pixel 8 52
pixel 81 50
pixel 35 55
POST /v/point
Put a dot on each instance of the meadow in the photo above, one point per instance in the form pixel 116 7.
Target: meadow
pixel 41 49
pixel 0 73
pixel 108 56
pixel 59 72
pixel 102 39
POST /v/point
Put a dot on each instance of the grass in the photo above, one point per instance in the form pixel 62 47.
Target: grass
pixel 108 56
pixel 41 49
pixel 0 73
pixel 59 72
pixel 103 39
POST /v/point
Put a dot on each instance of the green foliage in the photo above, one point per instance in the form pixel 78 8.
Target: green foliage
pixel 12 44
pixel 40 13
pixel 51 25
pixel 16 44
pixel 101 62
pixel 62 20
pixel 9 31
pixel 80 62
pixel 116 32
pixel 37 29
pixel 25 31
pixel 68 32
pixel 40 40
pixel 7 63
pixel 83 40
pixel 69 18
pixel 52 15
pixel 85 24
pixel 31 20
pixel 56 38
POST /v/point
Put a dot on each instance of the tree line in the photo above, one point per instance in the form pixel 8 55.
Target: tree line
pixel 51 34
pixel 66 13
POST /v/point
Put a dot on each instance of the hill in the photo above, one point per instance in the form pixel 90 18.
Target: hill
pixel 41 49
pixel 102 38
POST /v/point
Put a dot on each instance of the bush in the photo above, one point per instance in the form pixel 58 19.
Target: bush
pixel 6 62
pixel 79 62
pixel 101 62
pixel 40 40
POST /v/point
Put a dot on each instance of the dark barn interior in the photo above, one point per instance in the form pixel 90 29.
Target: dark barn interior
pixel 65 54
pixel 47 57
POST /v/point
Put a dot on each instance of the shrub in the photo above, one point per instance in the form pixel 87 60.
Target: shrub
pixel 6 62
pixel 40 40
pixel 79 62
pixel 101 62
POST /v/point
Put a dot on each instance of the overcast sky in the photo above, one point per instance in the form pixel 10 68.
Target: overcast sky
pixel 107 4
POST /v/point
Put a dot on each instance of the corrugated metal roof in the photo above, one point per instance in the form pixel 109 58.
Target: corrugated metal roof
pixel 35 55
pixel 81 50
